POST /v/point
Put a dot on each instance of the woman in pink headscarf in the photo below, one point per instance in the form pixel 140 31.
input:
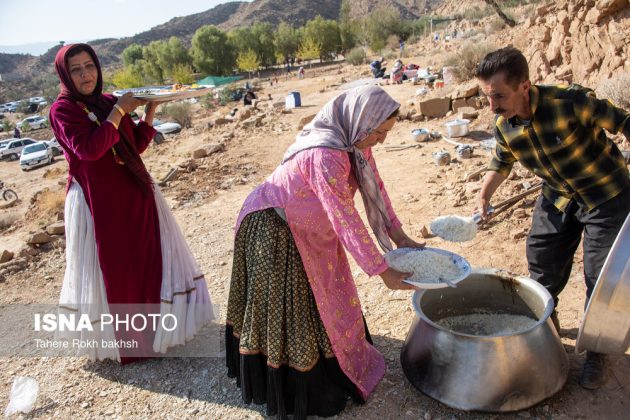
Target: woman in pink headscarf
pixel 125 253
pixel 295 335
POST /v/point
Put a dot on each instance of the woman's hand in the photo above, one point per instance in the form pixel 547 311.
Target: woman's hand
pixel 128 103
pixel 402 240
pixel 394 279
pixel 149 111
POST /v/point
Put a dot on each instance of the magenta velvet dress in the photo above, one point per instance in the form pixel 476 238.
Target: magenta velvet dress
pixel 126 222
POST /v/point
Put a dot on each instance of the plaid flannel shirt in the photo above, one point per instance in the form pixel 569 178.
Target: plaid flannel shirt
pixel 565 145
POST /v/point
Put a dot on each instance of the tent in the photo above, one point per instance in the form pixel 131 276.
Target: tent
pixel 218 80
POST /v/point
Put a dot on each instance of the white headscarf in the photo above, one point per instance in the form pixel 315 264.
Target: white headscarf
pixel 340 124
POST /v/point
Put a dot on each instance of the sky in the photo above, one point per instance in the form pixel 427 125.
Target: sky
pixel 50 21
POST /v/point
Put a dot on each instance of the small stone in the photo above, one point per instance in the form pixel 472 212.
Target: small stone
pixel 57 228
pixel 40 238
pixel 6 256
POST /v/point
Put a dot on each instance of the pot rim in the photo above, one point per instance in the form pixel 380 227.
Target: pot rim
pixel 531 284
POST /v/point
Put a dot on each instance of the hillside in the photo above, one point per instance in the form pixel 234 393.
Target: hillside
pixel 565 40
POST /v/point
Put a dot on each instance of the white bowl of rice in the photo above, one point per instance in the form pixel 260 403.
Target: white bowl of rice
pixel 430 266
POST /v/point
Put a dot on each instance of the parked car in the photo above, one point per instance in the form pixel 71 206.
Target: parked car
pixel 36 121
pixel 54 146
pixel 39 100
pixel 14 147
pixel 166 127
pixel 35 155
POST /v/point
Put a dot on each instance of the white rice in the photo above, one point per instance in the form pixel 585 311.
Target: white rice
pixel 427 266
pixel 454 228
pixel 487 323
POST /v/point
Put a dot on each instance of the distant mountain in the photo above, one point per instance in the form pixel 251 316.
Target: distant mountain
pixel 36 48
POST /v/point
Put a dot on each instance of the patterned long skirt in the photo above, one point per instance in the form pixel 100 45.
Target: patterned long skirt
pixel 276 343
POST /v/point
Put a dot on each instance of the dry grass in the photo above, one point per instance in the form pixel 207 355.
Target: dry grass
pixel 7 220
pixel 51 202
pixel 617 90
pixel 465 60
pixel 356 56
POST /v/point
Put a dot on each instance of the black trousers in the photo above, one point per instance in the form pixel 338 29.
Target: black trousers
pixel 555 236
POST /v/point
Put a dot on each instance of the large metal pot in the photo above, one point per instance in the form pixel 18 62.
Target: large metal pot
pixel 493 373
pixel 457 127
pixel 605 327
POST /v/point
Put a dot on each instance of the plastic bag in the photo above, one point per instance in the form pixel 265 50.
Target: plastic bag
pixel 23 395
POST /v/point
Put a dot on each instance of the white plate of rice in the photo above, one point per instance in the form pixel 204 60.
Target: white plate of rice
pixel 430 266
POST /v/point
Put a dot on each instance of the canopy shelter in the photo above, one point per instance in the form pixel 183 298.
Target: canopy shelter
pixel 218 80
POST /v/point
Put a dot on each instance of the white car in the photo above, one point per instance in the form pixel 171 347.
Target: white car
pixel 166 127
pixel 34 155
pixel 36 121
pixel 14 147
pixel 53 144
pixel 39 100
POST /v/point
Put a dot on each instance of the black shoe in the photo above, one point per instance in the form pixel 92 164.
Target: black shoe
pixel 555 320
pixel 594 371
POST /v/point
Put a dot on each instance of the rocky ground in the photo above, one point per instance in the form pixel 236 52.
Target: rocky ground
pixel 206 195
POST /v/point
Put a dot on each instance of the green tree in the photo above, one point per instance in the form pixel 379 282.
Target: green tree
pixel 265 48
pixel 248 61
pixel 326 34
pixel 286 41
pixel 131 54
pixel 172 53
pixel 242 39
pixel 380 24
pixel 151 68
pixel 211 52
pixel 348 28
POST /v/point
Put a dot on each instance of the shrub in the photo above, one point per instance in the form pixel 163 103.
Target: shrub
pixel 617 90
pixel 208 102
pixel 465 60
pixel 129 77
pixel 181 112
pixel 356 56
pixel 183 74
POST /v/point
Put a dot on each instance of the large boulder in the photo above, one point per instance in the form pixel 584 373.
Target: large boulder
pixel 434 108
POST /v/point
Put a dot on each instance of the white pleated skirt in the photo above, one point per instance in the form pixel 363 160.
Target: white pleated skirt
pixel 184 292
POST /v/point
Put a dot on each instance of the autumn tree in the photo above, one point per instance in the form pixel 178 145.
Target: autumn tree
pixel 248 61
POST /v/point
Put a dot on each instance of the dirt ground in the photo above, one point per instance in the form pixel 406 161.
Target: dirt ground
pixel 206 200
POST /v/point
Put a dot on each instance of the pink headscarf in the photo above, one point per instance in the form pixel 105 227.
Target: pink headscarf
pixel 340 124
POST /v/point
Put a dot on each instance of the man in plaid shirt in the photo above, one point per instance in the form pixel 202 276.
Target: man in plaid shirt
pixel 558 134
